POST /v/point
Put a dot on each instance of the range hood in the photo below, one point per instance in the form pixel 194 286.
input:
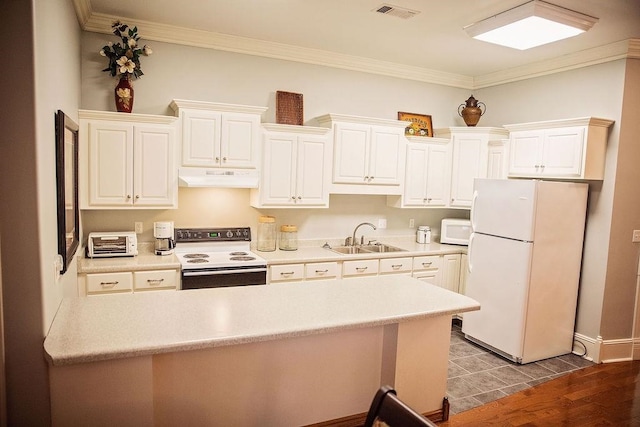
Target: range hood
pixel 220 178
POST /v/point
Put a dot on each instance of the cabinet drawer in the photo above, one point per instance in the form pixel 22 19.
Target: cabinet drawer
pixel 280 273
pixel 321 270
pixel 360 268
pixel 395 265
pixel 109 283
pixel 157 279
pixel 427 262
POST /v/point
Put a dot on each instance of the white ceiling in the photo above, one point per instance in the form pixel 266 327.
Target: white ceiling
pixel 430 46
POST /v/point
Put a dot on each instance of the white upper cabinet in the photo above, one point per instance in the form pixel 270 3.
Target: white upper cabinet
pixel 368 154
pixel 127 161
pixel 296 167
pixel 216 135
pixel 470 159
pixel 427 174
pixel 559 149
pixel 498 162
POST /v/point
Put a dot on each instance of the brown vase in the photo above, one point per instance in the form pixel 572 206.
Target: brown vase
pixel 124 94
pixel 471 111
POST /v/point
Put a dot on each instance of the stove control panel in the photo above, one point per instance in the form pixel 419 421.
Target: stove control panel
pixel 235 234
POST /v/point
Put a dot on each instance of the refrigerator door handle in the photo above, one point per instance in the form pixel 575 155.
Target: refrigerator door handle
pixel 469 259
pixel 473 205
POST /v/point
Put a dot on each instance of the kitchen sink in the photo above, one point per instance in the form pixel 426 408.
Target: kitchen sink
pixel 366 249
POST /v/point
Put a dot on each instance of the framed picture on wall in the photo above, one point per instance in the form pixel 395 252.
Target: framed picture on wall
pixel 420 124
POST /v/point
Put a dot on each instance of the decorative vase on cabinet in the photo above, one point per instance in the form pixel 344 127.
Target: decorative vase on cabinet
pixel 471 111
pixel 124 94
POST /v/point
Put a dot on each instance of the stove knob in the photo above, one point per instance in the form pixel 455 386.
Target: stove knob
pixel 229 234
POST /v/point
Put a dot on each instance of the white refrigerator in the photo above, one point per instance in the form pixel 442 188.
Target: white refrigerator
pixel 525 254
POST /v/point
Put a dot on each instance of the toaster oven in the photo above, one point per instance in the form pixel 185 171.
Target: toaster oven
pixel 103 245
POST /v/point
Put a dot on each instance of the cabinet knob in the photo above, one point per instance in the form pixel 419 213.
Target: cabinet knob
pixel 299 198
pixel 128 196
pixel 224 159
pixel 137 196
pixel 366 178
pixel 217 159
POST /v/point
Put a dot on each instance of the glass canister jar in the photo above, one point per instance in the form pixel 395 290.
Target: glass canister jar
pixel 266 234
pixel 288 238
pixel 423 234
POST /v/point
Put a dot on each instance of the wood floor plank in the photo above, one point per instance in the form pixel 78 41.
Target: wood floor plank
pixel 599 395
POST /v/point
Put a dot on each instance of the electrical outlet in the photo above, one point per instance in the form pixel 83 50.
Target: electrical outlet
pixel 138 227
pixel 636 236
pixel 412 223
pixel 382 223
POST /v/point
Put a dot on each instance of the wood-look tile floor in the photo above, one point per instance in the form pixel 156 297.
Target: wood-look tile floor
pixel 477 376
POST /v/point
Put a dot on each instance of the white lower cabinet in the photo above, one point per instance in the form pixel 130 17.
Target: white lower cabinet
pixel 281 273
pixel 464 272
pixel 365 267
pixel 127 282
pixel 428 269
pixel 396 265
pixel 321 270
pixel 155 279
pixel 451 272
pixel 109 283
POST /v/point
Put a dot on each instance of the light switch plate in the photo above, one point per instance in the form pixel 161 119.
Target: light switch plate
pixel 382 223
pixel 636 236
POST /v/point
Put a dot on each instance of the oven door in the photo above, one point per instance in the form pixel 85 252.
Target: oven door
pixel 221 278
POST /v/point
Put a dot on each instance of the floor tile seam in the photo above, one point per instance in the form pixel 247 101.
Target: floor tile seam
pixel 520 372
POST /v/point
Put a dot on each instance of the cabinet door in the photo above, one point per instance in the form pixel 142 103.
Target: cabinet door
pixel 415 186
pixel 312 168
pixel 155 279
pixel 386 151
pixel 437 170
pixel 109 283
pixel 280 273
pixel 201 138
pixel 469 162
pixel 364 267
pixel 110 164
pixel 240 141
pixel 154 182
pixel 464 272
pixel 525 155
pixel 497 161
pixel 321 270
pixel 278 174
pixel 451 272
pixel 563 152
pixel 351 153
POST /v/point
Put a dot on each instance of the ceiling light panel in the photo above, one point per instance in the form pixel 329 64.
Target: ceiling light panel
pixel 532 24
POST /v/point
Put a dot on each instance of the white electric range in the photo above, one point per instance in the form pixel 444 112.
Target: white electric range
pixel 218 257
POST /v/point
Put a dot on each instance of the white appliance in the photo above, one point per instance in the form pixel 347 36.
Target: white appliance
pixel 163 232
pixel 112 244
pixel 455 231
pixel 218 257
pixel 525 253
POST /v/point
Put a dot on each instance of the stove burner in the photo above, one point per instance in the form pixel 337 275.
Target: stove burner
pixel 242 258
pixel 197 260
pixel 196 256
pixel 238 253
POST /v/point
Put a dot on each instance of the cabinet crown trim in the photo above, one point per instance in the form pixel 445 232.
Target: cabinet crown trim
pixel 579 121
pixel 489 131
pixel 125 117
pixel 327 119
pixel 277 127
pixel 428 140
pixel 177 104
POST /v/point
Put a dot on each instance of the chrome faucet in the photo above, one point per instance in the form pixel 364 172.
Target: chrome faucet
pixel 353 238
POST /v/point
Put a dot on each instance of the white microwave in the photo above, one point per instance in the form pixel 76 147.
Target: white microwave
pixel 455 231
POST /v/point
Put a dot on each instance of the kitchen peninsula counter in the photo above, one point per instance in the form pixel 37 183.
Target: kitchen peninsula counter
pixel 307 344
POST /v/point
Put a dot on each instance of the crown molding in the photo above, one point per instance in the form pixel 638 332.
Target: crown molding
pixel 101 23
pixel 585 58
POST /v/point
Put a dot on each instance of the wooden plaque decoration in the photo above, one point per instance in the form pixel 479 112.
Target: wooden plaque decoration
pixel 420 124
pixel 289 108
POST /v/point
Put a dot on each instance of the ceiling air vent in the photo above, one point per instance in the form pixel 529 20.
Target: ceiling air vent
pixel 399 12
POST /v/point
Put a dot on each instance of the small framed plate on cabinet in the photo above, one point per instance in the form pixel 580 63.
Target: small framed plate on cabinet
pixel 420 124
pixel 67 188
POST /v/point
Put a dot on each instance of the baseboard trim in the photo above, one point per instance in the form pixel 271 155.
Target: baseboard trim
pixel 599 350
pixel 358 420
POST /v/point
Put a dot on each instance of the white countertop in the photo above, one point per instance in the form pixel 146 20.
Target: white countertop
pixel 145 260
pixel 138 324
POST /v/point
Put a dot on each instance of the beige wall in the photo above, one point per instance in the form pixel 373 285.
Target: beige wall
pixel 44 40
pixel 622 266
